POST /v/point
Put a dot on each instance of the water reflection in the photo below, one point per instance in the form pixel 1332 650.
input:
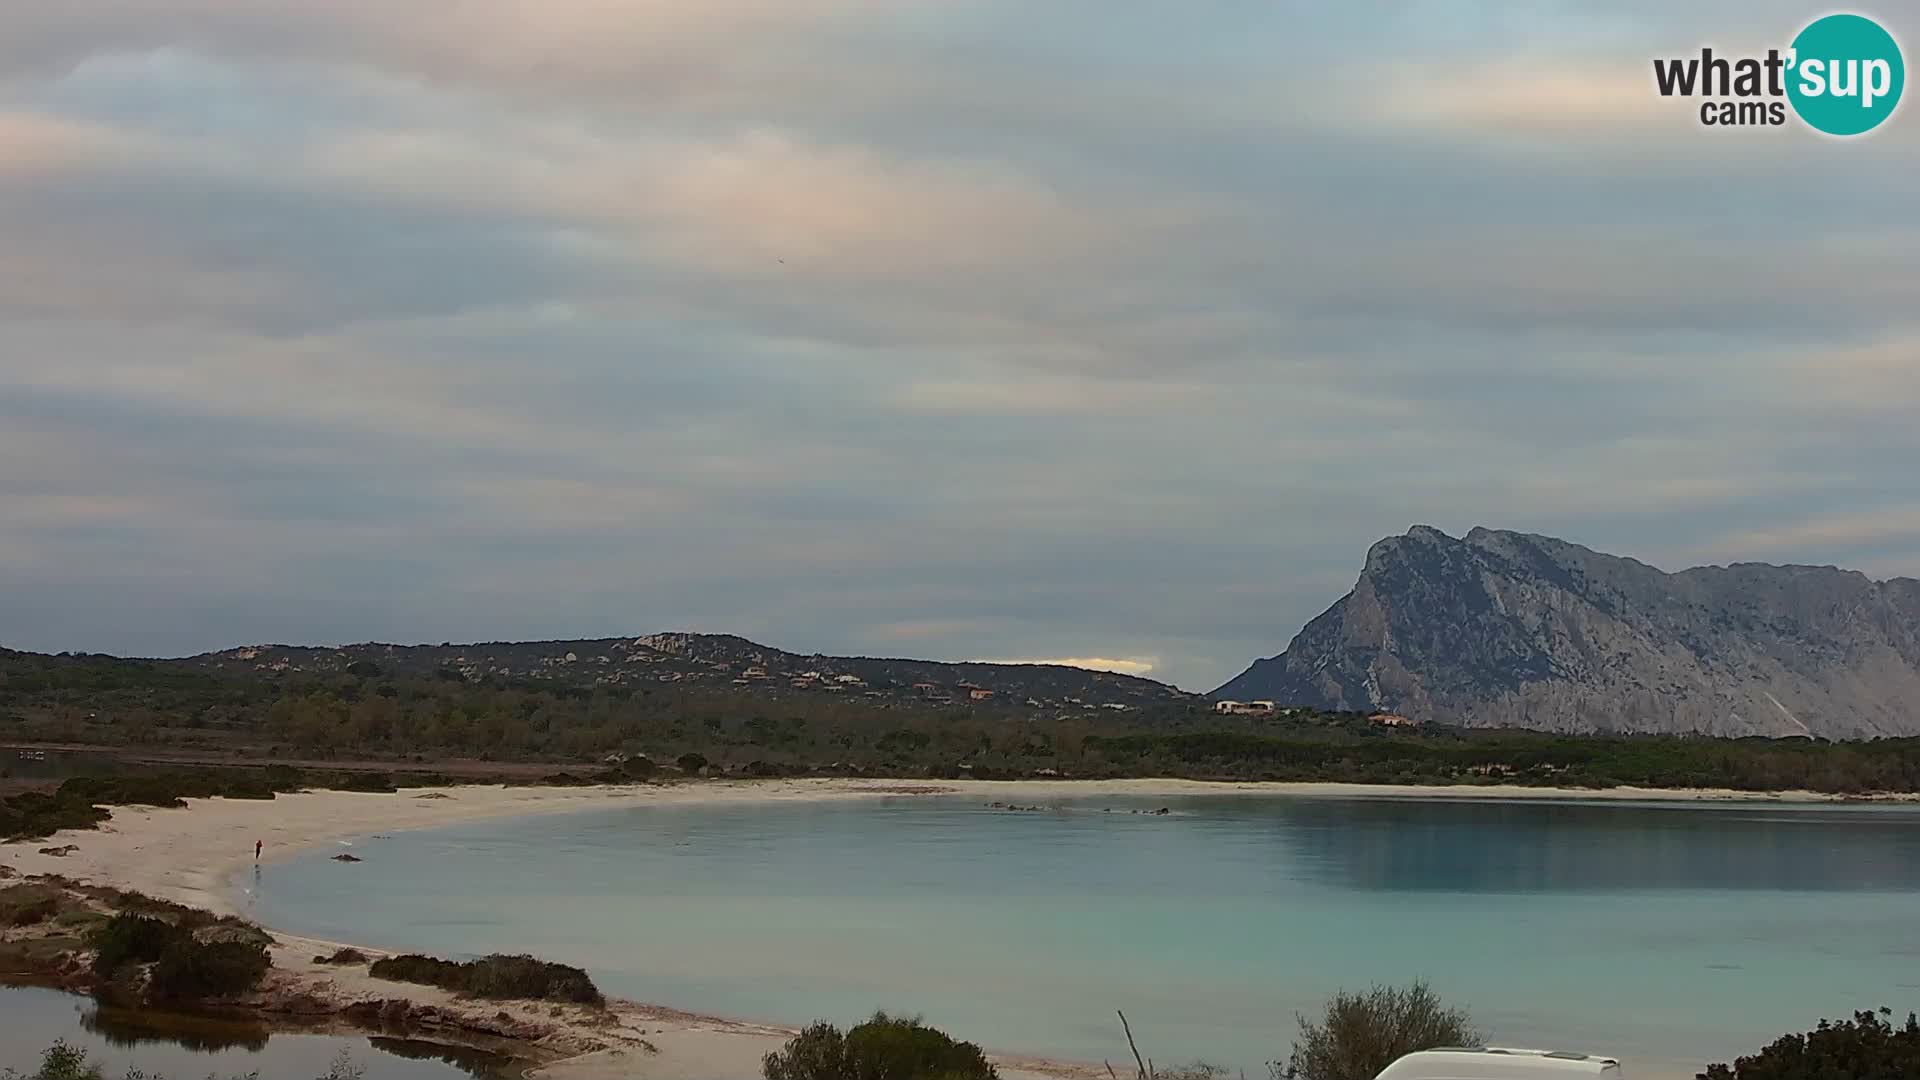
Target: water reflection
pixel 1505 847
pixel 481 1064
pixel 126 1028
pixel 166 1043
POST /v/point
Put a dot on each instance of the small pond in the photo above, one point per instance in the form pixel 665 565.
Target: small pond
pixel 183 1046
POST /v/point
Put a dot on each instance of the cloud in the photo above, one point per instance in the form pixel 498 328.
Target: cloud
pixel 940 329
pixel 1131 666
pixel 33 144
pixel 1827 532
pixel 1526 98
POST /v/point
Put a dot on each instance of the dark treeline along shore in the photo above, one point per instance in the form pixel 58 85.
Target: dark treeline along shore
pixel 450 725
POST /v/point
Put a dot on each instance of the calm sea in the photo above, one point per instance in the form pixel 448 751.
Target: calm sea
pixel 1669 935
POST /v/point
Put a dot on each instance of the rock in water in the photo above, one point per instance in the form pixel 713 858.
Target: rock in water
pixel 1506 629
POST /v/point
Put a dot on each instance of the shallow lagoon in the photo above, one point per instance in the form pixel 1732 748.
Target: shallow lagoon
pixel 1669 934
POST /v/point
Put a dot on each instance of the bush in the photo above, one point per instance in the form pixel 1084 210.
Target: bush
pixel 26 905
pixel 373 782
pixel 1361 1034
pixel 31 913
pixel 343 955
pixel 130 939
pixel 691 763
pixel 498 976
pixel 61 1062
pixel 190 969
pixel 230 960
pixel 883 1048
pixel 1868 1047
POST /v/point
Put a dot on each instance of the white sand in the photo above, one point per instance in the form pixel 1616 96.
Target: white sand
pixel 189 856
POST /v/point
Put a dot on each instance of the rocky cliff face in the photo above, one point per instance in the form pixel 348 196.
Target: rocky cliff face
pixel 1514 630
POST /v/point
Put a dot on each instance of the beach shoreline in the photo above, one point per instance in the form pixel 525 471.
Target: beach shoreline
pixel 194 857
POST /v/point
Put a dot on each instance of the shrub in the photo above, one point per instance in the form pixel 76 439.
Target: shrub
pixel 418 968
pixel 1362 1033
pixel 249 788
pixel 525 977
pixel 61 1062
pixel 190 969
pixel 283 777
pixel 498 976
pixel 691 763
pixel 227 959
pixel 375 782
pixel 26 905
pixel 1867 1046
pixel 130 939
pixel 883 1048
pixel 343 955
pixel 28 914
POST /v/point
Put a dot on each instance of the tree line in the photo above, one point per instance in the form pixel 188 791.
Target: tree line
pixel 370 714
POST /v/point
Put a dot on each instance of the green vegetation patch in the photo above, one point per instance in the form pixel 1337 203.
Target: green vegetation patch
pixel 28 905
pixel 192 959
pixel 1868 1045
pixel 883 1048
pixel 1359 1034
pixel 190 968
pixel 500 977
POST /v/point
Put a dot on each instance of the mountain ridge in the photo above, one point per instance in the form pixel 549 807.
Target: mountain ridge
pixel 1508 629
pixel 713 659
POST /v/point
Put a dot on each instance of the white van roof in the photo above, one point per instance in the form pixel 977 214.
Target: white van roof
pixel 1500 1063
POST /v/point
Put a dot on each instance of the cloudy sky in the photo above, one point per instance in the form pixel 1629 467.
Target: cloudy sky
pixel 1023 329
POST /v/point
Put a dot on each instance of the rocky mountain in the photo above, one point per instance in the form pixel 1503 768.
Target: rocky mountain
pixel 1506 629
pixel 716 660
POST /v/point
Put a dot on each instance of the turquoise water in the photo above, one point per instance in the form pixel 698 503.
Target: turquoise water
pixel 189 1047
pixel 1670 935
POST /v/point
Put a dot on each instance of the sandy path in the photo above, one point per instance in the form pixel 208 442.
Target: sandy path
pixel 190 856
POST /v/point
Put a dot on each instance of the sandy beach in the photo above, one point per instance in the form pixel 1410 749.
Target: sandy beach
pixel 190 856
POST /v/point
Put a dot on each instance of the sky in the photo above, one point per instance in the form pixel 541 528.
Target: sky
pixel 1066 329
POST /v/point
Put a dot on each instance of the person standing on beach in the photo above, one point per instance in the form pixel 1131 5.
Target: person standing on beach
pixel 256 851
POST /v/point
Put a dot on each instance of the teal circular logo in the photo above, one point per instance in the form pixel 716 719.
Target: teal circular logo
pixel 1845 74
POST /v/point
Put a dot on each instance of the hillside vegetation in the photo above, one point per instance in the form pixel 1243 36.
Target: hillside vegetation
pixel 372 714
